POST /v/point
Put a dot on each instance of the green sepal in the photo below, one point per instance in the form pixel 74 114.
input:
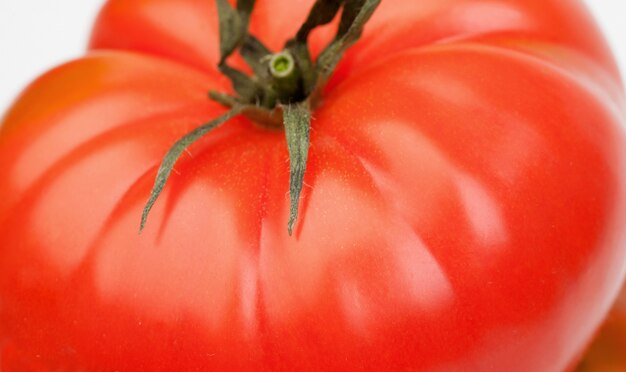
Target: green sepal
pixel 174 153
pixel 244 8
pixel 350 11
pixel 297 122
pixel 351 28
pixel 322 13
pixel 233 25
pixel 232 29
pixel 256 56
pixel 247 89
pixel 300 52
pixel 223 98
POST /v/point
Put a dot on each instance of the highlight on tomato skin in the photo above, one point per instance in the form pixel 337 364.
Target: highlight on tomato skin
pixel 451 198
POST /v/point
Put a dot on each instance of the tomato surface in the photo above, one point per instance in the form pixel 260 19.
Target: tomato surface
pixel 606 353
pixel 463 210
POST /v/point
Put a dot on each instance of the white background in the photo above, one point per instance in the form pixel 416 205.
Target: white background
pixel 36 35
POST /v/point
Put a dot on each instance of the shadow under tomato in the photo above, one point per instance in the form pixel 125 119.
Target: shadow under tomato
pixel 607 353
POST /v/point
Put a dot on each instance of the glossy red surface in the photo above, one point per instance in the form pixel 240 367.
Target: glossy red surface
pixel 464 203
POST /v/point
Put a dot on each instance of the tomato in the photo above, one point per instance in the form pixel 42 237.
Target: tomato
pixel 606 353
pixel 463 207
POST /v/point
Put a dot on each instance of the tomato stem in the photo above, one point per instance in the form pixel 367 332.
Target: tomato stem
pixel 284 88
pixel 287 77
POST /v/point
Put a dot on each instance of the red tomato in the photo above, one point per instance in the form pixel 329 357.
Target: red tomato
pixel 606 353
pixel 464 204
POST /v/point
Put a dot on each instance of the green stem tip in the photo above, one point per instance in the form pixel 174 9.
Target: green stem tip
pixel 287 77
pixel 282 65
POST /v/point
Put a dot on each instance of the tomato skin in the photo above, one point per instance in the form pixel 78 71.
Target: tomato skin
pixel 466 193
pixel 606 352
